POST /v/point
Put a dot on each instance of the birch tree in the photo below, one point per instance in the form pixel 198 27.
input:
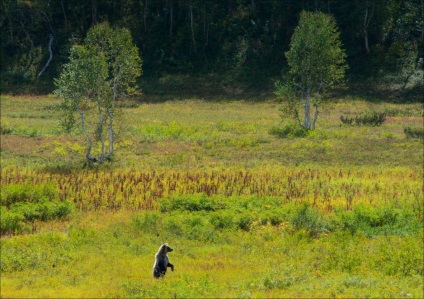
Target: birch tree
pixel 99 73
pixel 317 64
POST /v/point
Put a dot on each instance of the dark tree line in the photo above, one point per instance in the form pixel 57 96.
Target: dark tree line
pixel 233 36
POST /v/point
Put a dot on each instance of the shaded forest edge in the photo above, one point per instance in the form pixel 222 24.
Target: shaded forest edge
pixel 216 50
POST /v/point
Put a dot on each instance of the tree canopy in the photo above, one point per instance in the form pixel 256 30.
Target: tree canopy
pixel 237 36
pixel 99 72
pixel 316 60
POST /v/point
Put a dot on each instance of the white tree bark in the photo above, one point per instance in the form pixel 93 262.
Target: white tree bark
pixel 102 119
pixel 191 25
pixel 171 12
pixel 307 119
pixel 315 116
pixel 367 19
pixel 51 55
pixel 87 135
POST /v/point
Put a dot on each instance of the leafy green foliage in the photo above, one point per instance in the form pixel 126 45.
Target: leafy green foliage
pixel 372 118
pixel 15 193
pixel 317 64
pixel 99 73
pixel 316 59
pixel 82 79
pixel 241 41
pixel 414 132
pixel 289 131
pixel 181 213
pixel 22 204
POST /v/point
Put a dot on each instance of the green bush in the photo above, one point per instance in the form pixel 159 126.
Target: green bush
pixel 5 129
pixel 244 222
pixel 10 222
pixel 28 193
pixel 198 227
pixel 289 131
pixel 414 132
pixel 375 220
pixel 148 221
pixel 23 203
pixel 202 218
pixel 222 220
pixel 43 211
pixel 307 218
pixel 198 202
pixel 273 282
pixel 372 118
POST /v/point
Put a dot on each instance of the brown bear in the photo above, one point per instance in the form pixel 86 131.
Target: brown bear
pixel 162 261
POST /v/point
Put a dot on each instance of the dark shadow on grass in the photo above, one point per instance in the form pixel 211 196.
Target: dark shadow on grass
pixel 259 87
pixel 75 166
pixel 376 91
pixel 213 88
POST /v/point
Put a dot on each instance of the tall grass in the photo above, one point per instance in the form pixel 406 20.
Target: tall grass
pixel 325 189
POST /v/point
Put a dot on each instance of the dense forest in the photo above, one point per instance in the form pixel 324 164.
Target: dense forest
pixel 245 40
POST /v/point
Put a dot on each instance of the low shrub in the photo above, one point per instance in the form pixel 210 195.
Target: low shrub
pixel 414 132
pixel 289 131
pixel 244 222
pixel 24 203
pixel 5 129
pixel 149 221
pixel 372 118
pixel 197 202
pixel 43 211
pixel 308 218
pixel 28 193
pixel 375 220
pixel 222 220
pixel 10 222
pixel 186 216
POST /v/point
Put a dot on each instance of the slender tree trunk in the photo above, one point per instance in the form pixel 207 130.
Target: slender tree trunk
pixel 109 111
pixel 171 12
pixel 50 57
pixel 111 134
pixel 191 26
pixel 145 15
pixel 366 41
pixel 93 12
pixel 367 19
pixel 206 32
pixel 315 116
pixel 90 141
pixel 64 13
pixel 307 119
pixel 31 50
pixel 11 29
pixel 100 130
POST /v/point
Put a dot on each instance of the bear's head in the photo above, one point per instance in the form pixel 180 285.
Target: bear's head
pixel 164 249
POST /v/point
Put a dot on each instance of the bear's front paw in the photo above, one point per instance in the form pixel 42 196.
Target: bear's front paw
pixel 172 268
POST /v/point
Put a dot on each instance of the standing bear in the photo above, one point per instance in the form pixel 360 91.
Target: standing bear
pixel 162 261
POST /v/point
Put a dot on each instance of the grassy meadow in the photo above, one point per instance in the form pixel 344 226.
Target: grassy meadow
pixel 338 213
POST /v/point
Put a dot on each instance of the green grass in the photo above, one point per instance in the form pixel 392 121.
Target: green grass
pixel 111 255
pixel 197 134
pixel 336 213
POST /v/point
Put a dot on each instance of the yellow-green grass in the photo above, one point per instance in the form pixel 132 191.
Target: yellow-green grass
pixel 326 188
pixel 108 255
pixel 195 134
pixel 336 214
